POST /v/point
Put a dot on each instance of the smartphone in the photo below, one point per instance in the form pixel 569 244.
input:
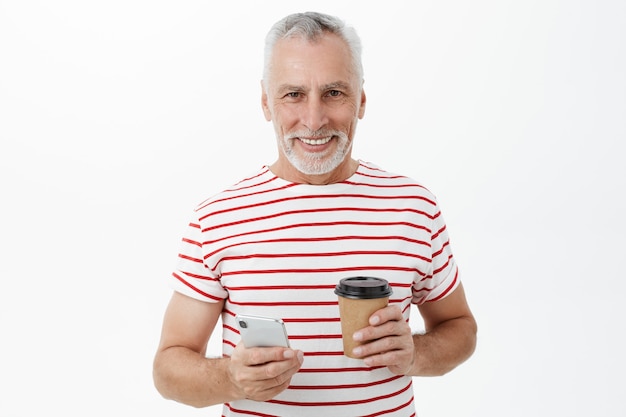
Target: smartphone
pixel 257 331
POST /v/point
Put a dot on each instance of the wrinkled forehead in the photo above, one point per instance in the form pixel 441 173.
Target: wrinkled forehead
pixel 326 59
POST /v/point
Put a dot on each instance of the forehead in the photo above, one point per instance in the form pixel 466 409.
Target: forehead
pixel 324 60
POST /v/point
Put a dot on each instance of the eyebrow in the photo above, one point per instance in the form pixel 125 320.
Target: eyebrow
pixel 337 85
pixel 289 87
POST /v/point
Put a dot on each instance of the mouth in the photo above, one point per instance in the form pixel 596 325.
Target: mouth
pixel 316 142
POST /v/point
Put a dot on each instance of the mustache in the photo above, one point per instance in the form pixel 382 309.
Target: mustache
pixel 322 133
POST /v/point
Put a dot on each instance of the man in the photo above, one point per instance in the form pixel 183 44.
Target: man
pixel 276 244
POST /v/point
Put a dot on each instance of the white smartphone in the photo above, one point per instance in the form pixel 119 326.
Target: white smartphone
pixel 257 331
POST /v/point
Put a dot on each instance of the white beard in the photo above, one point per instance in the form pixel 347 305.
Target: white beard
pixel 315 163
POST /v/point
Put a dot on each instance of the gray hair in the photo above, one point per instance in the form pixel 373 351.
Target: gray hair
pixel 311 26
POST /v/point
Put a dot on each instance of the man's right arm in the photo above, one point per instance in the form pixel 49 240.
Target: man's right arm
pixel 182 372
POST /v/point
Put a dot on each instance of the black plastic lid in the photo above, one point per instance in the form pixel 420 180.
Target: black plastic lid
pixel 363 288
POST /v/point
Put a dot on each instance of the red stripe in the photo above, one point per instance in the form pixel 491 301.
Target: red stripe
pixel 323 270
pixel 364 184
pixel 264 169
pixel 317 198
pixel 281 287
pixel 316 255
pixel 437 253
pixel 297 320
pixel 391 410
pixel 323 370
pixel 311 320
pixel 338 370
pixel 207 202
pixel 315 336
pixel 342 386
pixel 232 329
pixel 331 209
pixel 299 287
pixel 417 291
pixel 438 232
pixel 384 177
pixel 321 354
pixel 340 403
pixel 408 306
pixel 246 412
pixel 304 225
pixel 303 337
pixel 380 413
pixel 253 185
pixel 310 239
pixel 286 304
pixel 444 266
pixel 196 289
pixel 192 242
pixel 189 258
pixel 443 294
pixel 202 277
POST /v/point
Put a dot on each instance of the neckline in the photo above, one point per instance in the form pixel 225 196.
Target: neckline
pixel 304 187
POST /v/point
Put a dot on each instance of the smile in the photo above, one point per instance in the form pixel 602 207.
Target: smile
pixel 316 141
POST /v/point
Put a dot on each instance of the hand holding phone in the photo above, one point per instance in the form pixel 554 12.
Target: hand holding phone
pixel 249 369
pixel 258 331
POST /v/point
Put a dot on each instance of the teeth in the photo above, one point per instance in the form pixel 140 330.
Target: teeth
pixel 316 141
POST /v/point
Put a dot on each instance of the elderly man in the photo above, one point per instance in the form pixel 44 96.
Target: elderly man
pixel 276 244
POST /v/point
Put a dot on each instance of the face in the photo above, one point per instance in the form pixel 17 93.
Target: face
pixel 314 99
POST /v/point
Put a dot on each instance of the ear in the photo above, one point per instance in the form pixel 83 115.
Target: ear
pixel 362 106
pixel 264 103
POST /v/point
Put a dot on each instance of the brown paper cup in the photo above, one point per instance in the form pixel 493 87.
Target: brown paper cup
pixel 359 298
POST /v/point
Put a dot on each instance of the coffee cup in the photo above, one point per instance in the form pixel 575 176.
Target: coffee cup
pixel 359 298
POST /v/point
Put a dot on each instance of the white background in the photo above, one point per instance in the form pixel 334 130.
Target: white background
pixel 117 117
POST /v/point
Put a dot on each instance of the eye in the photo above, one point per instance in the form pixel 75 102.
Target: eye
pixel 334 93
pixel 293 94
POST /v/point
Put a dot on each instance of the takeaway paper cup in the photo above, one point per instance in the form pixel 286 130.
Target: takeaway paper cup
pixel 359 298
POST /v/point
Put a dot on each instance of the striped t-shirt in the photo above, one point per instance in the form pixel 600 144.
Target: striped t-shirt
pixel 275 248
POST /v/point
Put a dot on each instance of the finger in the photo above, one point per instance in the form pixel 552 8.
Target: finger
pixel 387 329
pixel 397 359
pixel 274 373
pixel 378 345
pixel 384 315
pixel 265 391
pixel 270 379
pixel 278 371
pixel 247 365
pixel 263 355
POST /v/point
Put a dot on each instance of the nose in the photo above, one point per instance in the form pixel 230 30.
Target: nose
pixel 315 114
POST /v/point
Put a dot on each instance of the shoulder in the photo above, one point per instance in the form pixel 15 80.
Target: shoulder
pixel 373 175
pixel 259 179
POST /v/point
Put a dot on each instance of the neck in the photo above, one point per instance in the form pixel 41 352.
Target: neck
pixel 287 172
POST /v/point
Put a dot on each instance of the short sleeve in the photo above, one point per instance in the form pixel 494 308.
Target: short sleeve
pixel 443 275
pixel 192 277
